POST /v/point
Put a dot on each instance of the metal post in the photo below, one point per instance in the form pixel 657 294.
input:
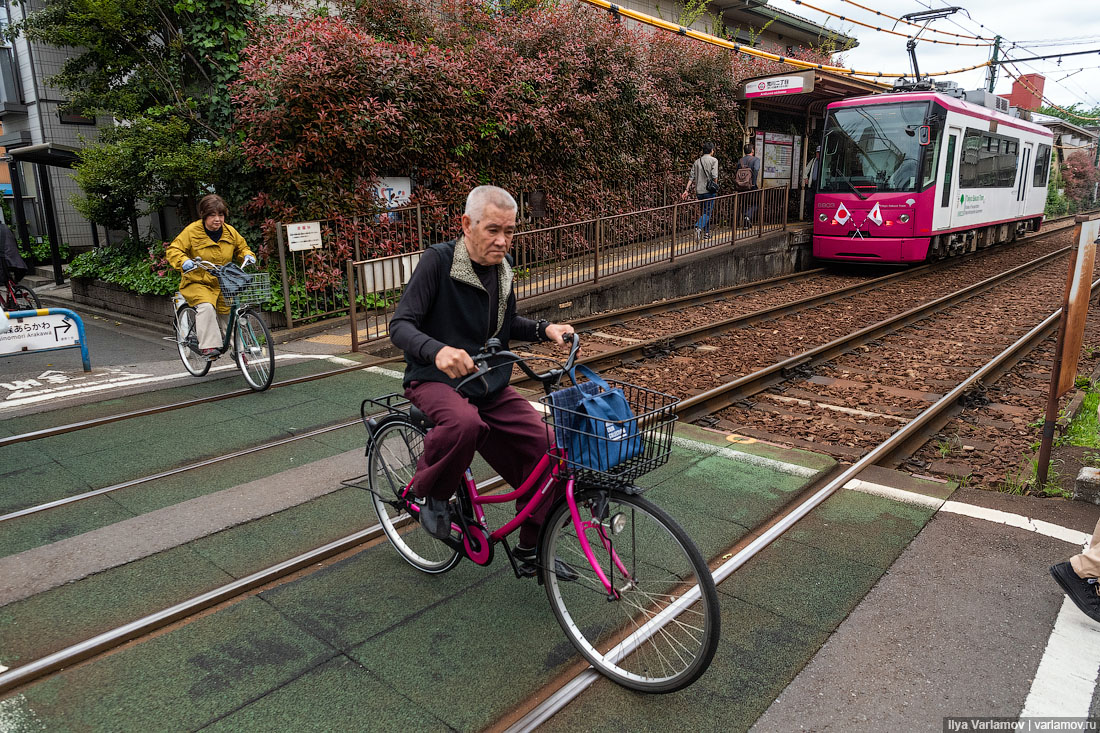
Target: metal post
pixel 1051 417
pixel 675 210
pixel 596 257
pixel 279 229
pixel 736 218
pixel 419 228
pixel 16 174
pixel 786 203
pixel 51 222
pixel 351 307
pixel 991 72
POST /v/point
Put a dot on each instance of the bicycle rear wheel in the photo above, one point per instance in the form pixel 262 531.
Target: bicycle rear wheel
pixel 187 340
pixel 391 462
pixel 635 639
pixel 255 351
pixel 25 298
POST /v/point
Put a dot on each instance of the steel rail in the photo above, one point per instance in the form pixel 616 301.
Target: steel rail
pixel 571 689
pixel 690 409
pixel 31 671
pixel 722 396
pixel 587 322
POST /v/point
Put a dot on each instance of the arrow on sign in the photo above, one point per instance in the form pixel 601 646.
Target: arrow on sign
pixel 65 326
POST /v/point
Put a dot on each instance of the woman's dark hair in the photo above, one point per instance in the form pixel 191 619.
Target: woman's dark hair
pixel 212 204
pixel 708 148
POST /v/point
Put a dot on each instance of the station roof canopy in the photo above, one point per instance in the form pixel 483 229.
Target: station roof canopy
pixel 822 87
pixel 45 153
pixel 744 15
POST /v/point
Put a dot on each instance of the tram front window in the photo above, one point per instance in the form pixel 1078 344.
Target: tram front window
pixel 873 149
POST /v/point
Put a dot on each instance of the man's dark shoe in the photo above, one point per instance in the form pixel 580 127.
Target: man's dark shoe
pixel 435 516
pixel 528 565
pixel 1079 590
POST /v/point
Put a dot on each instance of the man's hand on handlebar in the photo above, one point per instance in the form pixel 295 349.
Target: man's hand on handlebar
pixel 557 332
pixel 454 362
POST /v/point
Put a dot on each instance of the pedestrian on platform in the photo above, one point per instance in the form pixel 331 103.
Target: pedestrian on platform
pixel 460 295
pixel 745 179
pixel 212 240
pixel 704 179
pixel 1078 577
pixel 813 173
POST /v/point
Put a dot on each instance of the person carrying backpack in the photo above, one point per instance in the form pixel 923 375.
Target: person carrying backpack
pixel 745 178
pixel 704 177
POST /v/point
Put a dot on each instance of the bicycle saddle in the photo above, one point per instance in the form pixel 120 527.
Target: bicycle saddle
pixel 419 419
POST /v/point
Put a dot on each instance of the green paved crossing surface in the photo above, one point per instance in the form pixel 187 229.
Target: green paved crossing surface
pixel 369 643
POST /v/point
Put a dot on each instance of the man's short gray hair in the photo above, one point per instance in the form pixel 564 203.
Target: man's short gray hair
pixel 481 196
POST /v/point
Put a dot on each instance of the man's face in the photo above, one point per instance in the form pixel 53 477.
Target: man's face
pixel 489 239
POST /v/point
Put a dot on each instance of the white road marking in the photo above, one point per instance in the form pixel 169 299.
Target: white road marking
pixel 17 716
pixel 1066 677
pixel 386 372
pixel 1038 526
pixel 128 380
pixel 736 455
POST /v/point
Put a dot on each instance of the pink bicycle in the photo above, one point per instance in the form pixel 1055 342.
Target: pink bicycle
pixel 626 583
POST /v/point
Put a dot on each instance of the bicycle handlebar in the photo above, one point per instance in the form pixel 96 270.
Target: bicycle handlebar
pixel 492 350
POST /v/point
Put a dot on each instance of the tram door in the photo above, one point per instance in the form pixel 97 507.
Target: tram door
pixel 1025 177
pixel 949 195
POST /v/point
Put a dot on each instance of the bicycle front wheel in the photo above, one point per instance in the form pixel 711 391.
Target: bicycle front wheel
pixel 187 341
pixel 25 298
pixel 661 630
pixel 391 462
pixel 255 350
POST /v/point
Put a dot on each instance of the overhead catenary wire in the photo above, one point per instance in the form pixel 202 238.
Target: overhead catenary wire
pixel 1036 92
pixel 885 30
pixel 749 51
pixel 918 25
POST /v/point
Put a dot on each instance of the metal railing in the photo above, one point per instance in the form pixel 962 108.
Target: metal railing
pixel 563 256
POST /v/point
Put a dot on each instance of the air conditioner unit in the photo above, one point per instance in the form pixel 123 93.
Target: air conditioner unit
pixel 987 99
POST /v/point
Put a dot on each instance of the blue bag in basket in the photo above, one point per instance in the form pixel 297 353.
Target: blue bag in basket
pixel 594 422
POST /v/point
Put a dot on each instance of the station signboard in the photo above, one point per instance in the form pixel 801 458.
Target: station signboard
pixel 774 86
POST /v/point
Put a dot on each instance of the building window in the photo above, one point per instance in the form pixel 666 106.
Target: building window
pixel 72 118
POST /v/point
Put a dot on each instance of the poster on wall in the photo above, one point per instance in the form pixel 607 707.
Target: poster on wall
pixel 394 192
pixel 777 160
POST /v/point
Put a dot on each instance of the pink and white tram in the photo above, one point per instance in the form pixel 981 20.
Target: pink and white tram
pixel 912 176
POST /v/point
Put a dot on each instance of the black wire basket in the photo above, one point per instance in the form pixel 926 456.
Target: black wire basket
pixel 610 453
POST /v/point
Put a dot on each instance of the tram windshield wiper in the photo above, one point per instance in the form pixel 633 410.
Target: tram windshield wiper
pixel 856 190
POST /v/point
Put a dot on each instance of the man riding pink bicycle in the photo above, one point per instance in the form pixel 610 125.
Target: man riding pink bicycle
pixel 461 295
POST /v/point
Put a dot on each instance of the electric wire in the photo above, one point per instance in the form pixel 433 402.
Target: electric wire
pixel 885 30
pixel 749 51
pixel 918 25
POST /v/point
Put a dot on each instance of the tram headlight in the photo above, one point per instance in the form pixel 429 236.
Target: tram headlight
pixel 823 217
pixel 904 218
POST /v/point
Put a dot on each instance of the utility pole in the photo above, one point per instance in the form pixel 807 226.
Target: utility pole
pixel 991 73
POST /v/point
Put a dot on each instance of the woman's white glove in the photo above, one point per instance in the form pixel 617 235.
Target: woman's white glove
pixel 188 265
pixel 248 260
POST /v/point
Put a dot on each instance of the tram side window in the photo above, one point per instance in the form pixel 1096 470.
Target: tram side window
pixel 988 160
pixel 1042 166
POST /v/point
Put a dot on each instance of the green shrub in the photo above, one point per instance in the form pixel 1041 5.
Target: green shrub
pixel 138 267
pixel 40 251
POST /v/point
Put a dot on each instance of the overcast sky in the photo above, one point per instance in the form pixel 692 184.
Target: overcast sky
pixel 1037 29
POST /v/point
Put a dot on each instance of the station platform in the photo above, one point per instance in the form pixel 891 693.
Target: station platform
pixel 897 602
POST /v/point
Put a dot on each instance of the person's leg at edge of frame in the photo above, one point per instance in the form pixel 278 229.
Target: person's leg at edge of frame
pixel 1078 575
pixel 448 449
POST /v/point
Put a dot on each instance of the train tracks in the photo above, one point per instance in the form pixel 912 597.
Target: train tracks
pixel 715 399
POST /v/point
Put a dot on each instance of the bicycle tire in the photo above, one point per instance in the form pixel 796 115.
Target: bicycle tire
pixel 664 566
pixel 25 298
pixel 187 340
pixel 254 350
pixel 394 450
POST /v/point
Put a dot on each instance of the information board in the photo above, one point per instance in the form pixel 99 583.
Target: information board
pixel 303 235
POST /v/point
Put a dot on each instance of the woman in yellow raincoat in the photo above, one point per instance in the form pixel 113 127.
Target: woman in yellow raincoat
pixel 210 239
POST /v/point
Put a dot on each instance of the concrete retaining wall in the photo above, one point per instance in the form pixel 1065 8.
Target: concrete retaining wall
pixel 757 259
pixel 154 308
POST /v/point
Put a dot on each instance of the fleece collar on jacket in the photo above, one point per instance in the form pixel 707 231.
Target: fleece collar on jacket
pixel 462 270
